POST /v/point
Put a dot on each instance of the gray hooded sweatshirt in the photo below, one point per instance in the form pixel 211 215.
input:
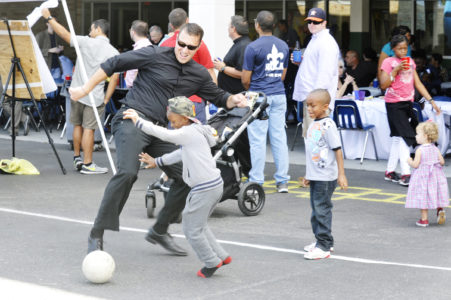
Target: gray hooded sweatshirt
pixel 195 140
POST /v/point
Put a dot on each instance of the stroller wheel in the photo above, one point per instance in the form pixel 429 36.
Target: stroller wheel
pixel 150 203
pixel 251 199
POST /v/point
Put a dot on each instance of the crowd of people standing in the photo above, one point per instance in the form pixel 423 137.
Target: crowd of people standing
pixel 180 65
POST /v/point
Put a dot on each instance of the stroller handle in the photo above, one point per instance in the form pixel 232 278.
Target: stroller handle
pixel 261 104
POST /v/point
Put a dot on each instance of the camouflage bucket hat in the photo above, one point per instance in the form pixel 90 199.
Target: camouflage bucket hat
pixel 183 106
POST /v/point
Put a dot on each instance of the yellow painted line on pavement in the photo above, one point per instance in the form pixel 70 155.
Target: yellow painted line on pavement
pixel 353 193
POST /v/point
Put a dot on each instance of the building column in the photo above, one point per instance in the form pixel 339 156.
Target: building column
pixel 214 17
pixel 360 24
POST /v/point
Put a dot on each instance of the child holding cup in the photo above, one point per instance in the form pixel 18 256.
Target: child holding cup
pixel 399 78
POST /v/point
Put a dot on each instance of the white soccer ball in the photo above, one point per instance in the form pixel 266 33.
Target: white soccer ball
pixel 98 266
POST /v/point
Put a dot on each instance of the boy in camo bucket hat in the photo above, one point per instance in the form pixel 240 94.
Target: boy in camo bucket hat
pixel 199 172
pixel 183 106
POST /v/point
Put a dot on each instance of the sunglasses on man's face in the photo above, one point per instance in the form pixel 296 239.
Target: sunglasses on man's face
pixel 314 22
pixel 183 45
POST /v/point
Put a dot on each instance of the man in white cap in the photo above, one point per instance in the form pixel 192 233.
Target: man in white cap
pixel 319 67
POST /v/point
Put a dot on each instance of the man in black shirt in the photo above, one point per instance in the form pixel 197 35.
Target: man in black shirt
pixel 363 72
pixel 229 77
pixel 163 73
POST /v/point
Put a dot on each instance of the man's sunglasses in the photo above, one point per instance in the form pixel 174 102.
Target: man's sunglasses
pixel 190 47
pixel 314 22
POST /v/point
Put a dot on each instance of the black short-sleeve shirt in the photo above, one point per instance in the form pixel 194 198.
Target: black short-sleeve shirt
pixel 234 58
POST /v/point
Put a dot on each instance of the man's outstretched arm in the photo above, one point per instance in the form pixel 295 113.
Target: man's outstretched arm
pixel 79 92
pixel 57 27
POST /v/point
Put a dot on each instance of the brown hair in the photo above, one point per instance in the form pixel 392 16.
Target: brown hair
pixel 430 129
pixel 193 30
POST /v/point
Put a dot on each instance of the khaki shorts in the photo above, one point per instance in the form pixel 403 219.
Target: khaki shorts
pixel 83 115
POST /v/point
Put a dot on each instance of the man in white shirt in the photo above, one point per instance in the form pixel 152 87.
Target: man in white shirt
pixel 319 66
pixel 138 34
pixel 95 49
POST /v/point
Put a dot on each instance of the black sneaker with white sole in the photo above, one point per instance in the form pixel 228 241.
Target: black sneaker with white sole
pixel 282 187
pixel 78 162
pixel 392 176
pixel 405 179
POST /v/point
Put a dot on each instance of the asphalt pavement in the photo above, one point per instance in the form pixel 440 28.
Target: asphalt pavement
pixel 379 252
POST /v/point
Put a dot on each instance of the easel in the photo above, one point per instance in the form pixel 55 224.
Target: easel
pixel 16 65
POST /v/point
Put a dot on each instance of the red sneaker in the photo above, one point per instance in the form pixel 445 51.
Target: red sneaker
pixel 422 223
pixel 227 261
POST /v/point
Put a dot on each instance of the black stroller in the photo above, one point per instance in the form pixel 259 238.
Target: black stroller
pixel 232 157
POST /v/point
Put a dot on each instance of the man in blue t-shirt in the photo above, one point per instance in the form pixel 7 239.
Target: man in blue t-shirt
pixel 264 68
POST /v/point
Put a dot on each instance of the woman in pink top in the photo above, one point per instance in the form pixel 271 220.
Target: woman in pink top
pixel 399 78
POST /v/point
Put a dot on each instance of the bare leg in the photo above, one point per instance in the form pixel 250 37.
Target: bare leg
pixel 87 144
pixel 424 214
pixel 76 136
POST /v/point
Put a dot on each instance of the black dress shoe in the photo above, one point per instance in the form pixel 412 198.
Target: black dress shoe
pixel 95 244
pixel 166 241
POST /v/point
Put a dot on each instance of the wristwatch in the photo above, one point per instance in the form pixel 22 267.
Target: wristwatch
pixel 222 69
pixel 49 18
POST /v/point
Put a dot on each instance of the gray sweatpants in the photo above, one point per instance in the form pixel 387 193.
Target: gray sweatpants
pixel 199 206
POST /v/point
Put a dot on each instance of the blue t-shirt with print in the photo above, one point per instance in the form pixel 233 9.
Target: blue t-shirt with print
pixel 389 51
pixel 266 58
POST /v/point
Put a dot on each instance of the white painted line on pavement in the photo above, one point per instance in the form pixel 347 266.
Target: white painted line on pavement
pixel 13 289
pixel 240 244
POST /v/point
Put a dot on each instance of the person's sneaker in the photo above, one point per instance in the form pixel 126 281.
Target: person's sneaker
pixel 227 260
pixel 98 147
pixel 208 272
pixel 317 253
pixel 392 176
pixel 441 217
pixel 282 187
pixel 422 223
pixel 312 246
pixel 405 179
pixel 78 163
pixel 93 169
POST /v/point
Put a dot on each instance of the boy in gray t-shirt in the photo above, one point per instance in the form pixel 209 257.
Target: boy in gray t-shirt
pixel 199 172
pixel 324 164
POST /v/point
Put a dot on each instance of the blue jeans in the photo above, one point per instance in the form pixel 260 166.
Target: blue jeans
pixel 258 131
pixel 320 200
pixel 200 111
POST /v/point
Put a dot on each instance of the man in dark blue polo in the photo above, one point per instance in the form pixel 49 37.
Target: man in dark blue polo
pixel 264 69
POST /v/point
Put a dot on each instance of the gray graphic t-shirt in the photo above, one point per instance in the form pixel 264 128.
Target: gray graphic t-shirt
pixel 322 139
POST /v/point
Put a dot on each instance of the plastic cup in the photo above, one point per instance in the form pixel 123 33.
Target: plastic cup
pixel 406 59
pixel 361 95
pixel 297 56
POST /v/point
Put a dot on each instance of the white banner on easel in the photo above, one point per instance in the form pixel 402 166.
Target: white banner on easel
pixel 32 19
pixel 36 13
